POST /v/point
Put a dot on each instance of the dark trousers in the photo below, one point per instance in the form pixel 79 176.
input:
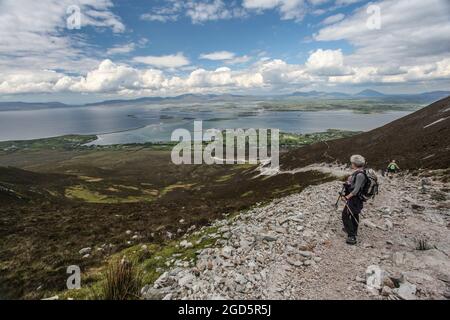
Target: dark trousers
pixel 351 219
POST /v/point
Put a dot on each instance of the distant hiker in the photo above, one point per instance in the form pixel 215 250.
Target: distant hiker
pixel 352 197
pixel 392 167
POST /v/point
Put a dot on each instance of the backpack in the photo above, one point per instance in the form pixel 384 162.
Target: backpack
pixel 370 188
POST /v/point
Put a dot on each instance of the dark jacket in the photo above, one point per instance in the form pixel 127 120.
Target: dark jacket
pixel 355 183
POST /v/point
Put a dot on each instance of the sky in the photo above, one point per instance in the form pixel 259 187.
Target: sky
pixel 78 51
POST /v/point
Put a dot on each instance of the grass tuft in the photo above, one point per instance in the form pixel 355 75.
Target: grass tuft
pixel 422 244
pixel 123 281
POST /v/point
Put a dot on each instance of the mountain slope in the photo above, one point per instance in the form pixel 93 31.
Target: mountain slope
pixel 293 248
pixel 419 140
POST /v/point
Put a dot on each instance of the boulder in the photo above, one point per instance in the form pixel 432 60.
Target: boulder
pixel 306 254
pixel 388 224
pixel 186 244
pixel 186 281
pixel 150 293
pixel 386 291
pixel 85 251
pixel 406 291
pixel 368 223
pixel 375 277
pixel 296 263
pixel 387 282
pixel 268 237
pixel 227 251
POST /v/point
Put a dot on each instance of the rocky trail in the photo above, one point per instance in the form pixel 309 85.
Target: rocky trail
pixel 294 248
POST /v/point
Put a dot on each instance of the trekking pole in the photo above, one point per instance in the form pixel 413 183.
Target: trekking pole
pixel 336 205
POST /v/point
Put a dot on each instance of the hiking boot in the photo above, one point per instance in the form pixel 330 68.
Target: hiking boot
pixel 351 240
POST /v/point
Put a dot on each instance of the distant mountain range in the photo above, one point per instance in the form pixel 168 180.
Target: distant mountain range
pixel 426 97
pixel 422 98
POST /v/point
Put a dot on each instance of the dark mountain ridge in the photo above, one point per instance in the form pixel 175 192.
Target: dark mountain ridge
pixel 419 140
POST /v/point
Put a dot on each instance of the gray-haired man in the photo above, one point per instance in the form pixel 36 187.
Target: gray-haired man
pixel 352 197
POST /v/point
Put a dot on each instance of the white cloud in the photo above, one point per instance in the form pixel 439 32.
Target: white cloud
pixel 110 77
pixel 333 19
pixel 121 49
pixel 169 61
pixel 327 63
pixel 165 14
pixel 218 56
pixel 159 17
pixel 346 2
pixel 413 32
pixel 143 42
pixel 239 60
pixel 439 70
pixel 226 57
pixel 411 47
pixel 32 33
pixel 288 9
pixel 324 67
pixel 28 81
pixel 199 11
pixel 318 2
pixel 100 18
pixel 106 78
pixel 281 76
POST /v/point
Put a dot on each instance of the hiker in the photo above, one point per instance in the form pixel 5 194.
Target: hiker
pixel 393 167
pixel 353 199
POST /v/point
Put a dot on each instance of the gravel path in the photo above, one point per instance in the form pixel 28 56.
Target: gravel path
pixel 294 248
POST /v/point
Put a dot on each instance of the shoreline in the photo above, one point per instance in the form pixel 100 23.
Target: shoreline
pixel 287 130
